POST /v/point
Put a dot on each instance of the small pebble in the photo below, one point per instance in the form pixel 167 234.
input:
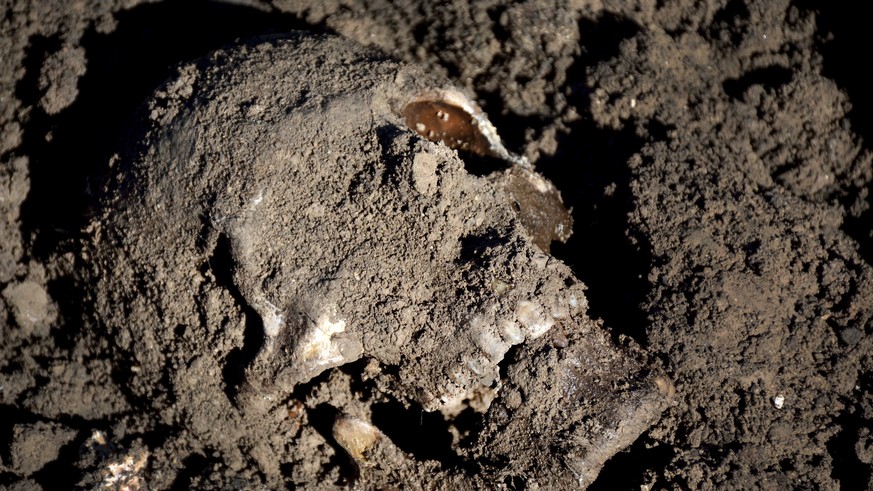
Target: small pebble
pixel 779 401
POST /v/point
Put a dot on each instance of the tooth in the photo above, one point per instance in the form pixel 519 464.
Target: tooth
pixel 356 436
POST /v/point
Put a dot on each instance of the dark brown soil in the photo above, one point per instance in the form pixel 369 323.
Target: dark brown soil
pixel 714 155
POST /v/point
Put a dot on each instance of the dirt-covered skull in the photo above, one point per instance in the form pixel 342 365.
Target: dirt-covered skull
pixel 315 224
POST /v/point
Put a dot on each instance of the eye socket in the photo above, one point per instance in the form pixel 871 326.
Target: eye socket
pixel 450 117
pixel 440 121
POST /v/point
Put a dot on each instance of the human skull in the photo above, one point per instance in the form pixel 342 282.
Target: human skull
pixel 336 229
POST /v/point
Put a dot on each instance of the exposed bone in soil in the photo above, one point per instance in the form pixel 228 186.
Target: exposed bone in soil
pixel 714 155
pixel 350 236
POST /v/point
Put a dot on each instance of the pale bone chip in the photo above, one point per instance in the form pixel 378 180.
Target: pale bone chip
pixel 355 436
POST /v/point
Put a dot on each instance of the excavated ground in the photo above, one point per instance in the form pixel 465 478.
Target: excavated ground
pixel 715 155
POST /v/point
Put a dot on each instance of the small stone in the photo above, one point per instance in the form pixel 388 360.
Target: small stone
pixel 30 304
pixel 779 401
pixel 499 286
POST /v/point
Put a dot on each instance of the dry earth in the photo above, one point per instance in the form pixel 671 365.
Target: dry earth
pixel 715 155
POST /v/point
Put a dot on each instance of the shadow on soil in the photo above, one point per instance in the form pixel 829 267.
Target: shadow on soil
pixel 841 32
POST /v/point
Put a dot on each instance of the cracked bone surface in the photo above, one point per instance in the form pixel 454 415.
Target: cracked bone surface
pixel 278 184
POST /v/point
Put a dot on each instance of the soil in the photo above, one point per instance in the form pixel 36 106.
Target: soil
pixel 714 155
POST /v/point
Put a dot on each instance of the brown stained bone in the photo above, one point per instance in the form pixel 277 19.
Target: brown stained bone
pixel 450 117
pixel 439 121
pixel 538 205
